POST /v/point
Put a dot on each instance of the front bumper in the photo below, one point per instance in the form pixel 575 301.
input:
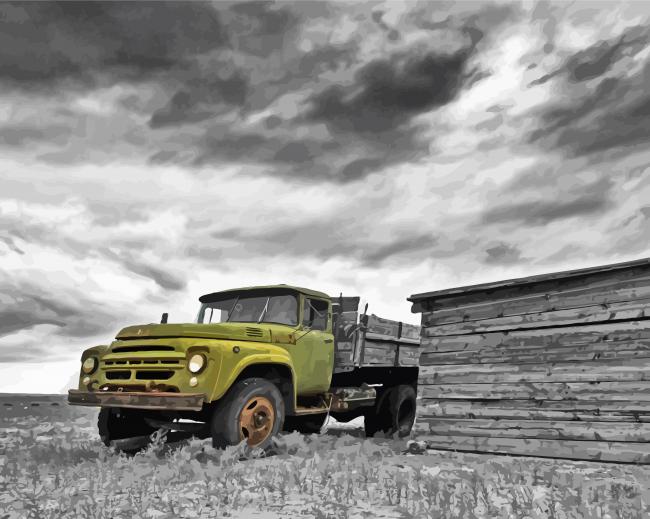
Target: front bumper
pixel 138 400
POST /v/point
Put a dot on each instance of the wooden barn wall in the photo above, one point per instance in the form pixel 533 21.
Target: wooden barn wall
pixel 558 368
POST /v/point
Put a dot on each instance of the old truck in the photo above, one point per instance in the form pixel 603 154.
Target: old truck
pixel 257 361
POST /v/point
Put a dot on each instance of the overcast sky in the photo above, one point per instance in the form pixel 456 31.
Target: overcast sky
pixel 150 153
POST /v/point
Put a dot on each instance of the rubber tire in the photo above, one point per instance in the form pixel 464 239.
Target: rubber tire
pixel 115 423
pixel 309 424
pixel 393 414
pixel 225 418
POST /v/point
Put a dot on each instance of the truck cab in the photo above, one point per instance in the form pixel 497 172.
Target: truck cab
pixel 298 321
pixel 256 361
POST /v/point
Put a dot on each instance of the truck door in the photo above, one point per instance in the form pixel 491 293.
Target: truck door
pixel 318 344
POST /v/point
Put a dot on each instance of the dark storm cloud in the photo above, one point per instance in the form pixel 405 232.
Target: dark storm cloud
pixel 359 168
pixel 11 245
pixel 543 212
pixel 180 109
pixel 70 312
pixel 325 239
pixel 584 118
pixel 162 278
pixel 502 254
pixel 334 159
pixel 289 157
pixel 370 117
pixel 614 116
pixel 221 145
pixel 478 19
pixel 374 112
pixel 409 244
pixel 25 306
pixel 388 92
pixel 20 136
pixel 15 319
pixel 596 60
pixel 262 26
pixel 212 65
pixel 556 118
pixel 201 99
pixel 121 251
pixel 257 30
pixel 80 39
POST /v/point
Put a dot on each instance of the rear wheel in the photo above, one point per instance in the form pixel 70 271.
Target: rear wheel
pixel 308 424
pixel 393 413
pixel 251 411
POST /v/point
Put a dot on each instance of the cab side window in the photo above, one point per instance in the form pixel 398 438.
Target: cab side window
pixel 315 314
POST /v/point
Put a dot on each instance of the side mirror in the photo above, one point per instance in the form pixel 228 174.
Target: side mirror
pixel 163 319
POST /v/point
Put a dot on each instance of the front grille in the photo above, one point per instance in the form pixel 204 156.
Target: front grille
pixel 129 349
pixel 154 375
pixel 118 375
pixel 136 362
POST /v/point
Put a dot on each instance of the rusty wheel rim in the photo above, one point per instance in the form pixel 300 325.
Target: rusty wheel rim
pixel 256 420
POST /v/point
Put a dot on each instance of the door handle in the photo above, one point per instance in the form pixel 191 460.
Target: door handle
pixel 328 340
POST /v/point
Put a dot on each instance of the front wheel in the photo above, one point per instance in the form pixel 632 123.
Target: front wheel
pixel 251 411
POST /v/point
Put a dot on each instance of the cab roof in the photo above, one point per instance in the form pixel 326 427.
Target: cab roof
pixel 263 290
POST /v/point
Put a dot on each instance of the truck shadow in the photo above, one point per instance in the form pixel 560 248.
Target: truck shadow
pixel 340 431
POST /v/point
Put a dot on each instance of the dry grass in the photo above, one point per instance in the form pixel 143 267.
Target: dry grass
pixel 52 465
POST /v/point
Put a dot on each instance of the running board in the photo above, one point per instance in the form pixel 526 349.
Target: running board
pixel 191 427
pixel 299 411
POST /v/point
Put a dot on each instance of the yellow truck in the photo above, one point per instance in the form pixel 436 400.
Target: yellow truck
pixel 257 361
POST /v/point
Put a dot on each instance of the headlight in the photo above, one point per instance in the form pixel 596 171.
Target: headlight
pixel 196 363
pixel 89 365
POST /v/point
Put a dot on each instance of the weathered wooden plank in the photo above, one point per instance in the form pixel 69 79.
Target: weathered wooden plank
pixel 562 405
pixel 541 429
pixel 532 285
pixel 411 331
pixel 343 358
pixel 379 353
pixel 601 391
pixel 588 371
pixel 621 452
pixel 586 314
pixel 536 410
pixel 408 355
pixel 518 355
pixel 612 292
pixel 392 329
pixel 382 326
pixel 544 337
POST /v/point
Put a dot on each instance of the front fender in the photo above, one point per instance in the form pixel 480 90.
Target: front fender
pixel 230 373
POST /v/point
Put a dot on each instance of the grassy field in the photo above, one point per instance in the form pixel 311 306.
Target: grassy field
pixel 53 465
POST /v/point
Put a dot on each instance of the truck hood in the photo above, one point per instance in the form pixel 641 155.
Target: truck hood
pixel 232 331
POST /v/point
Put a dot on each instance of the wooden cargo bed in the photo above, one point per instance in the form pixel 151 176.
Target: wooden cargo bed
pixel 371 341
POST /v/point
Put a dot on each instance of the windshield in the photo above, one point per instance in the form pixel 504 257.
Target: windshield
pixel 281 309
